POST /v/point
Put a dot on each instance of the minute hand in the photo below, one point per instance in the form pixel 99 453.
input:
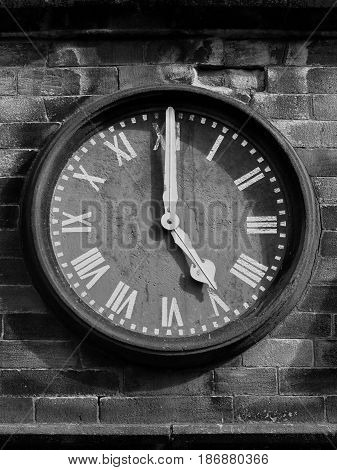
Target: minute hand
pixel 170 194
pixel 201 270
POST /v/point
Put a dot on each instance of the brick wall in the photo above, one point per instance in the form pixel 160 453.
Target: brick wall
pixel 289 378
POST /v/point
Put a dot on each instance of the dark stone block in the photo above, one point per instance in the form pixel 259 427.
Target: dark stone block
pixel 66 410
pixel 16 410
pixel 162 410
pixel 59 382
pixel 246 381
pixel 320 299
pixel 279 409
pixel 27 326
pixel 315 381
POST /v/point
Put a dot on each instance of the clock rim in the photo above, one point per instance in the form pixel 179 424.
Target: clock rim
pixel 48 284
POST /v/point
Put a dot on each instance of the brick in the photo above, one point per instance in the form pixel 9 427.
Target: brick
pixel 325 271
pixel 320 299
pixel 331 409
pixel 27 326
pixel 13 271
pixel 210 51
pixel 10 244
pixel 278 106
pixel 20 299
pixel 8 82
pixel 61 107
pixel 253 53
pixel 318 80
pixel 141 380
pixel 27 135
pixel 287 79
pixel 94 358
pixel 9 217
pixel 156 410
pixel 10 190
pixel 314 52
pixel 59 382
pixel 279 409
pixel 326 188
pixel 152 74
pixel 325 107
pixel 316 381
pixel 326 353
pixel 280 352
pixel 301 133
pixel 22 109
pixel 328 246
pixel 16 410
pixel 245 381
pixel 319 161
pixel 66 410
pixel 38 354
pixel 322 80
pixel 304 325
pixel 15 162
pixel 251 80
pixel 13 53
pixel 329 217
pixel 74 81
pixel 235 361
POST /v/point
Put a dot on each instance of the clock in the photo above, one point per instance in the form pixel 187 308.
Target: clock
pixel 170 224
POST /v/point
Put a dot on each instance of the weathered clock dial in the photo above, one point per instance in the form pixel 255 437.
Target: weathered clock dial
pixel 171 223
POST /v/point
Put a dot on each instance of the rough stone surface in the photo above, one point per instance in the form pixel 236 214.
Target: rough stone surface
pixel 280 352
pixel 137 410
pixel 66 410
pixel 246 381
pixel 279 409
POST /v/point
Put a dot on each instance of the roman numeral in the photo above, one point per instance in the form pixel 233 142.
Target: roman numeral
pixel 168 314
pixel 85 265
pixel 262 224
pixel 215 148
pixel 249 178
pixel 120 300
pixel 83 225
pixel 118 151
pixel 249 270
pixel 160 142
pixel 216 300
pixel 91 179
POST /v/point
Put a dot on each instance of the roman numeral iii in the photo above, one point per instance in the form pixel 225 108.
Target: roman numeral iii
pixel 121 299
pixel 168 314
pixel 248 270
pixel 263 224
pixel 86 266
pixel 76 223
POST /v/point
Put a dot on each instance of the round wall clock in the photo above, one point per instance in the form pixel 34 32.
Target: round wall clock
pixel 170 223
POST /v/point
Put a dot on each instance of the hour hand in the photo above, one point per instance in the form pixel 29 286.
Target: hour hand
pixel 201 270
pixel 170 194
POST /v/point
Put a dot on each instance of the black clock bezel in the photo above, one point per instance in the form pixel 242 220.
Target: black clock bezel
pixel 279 299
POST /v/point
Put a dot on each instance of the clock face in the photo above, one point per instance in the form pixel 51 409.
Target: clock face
pixel 169 226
